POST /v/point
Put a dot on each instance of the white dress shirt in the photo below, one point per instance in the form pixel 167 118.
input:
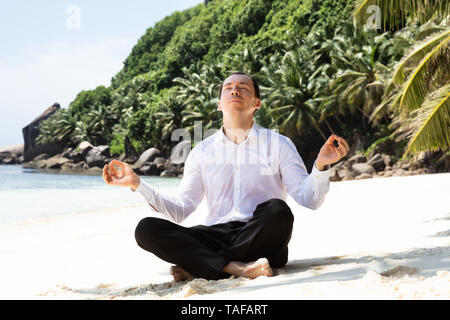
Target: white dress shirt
pixel 235 178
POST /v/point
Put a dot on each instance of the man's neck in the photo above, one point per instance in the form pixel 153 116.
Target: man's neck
pixel 236 130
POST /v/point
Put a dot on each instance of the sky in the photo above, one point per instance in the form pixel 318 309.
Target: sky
pixel 50 50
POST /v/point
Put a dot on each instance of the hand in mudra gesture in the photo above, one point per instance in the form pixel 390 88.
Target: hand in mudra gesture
pixel 124 177
pixel 332 151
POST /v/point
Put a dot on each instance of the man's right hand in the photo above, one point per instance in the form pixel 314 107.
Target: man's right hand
pixel 126 177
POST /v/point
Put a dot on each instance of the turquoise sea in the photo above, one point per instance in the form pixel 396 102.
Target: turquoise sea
pixel 30 193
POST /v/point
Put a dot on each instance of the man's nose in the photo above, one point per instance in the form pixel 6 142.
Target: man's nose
pixel 235 92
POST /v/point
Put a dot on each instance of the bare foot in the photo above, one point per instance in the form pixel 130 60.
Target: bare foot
pixel 179 274
pixel 252 270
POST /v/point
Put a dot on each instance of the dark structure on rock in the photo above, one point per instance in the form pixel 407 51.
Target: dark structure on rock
pixel 31 132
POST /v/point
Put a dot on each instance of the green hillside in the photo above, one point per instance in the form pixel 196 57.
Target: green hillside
pixel 318 74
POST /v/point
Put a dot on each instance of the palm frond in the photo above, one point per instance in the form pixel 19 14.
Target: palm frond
pixel 416 89
pixel 394 13
pixel 417 54
pixel 432 123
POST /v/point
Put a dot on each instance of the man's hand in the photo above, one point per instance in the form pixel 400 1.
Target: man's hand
pixel 126 177
pixel 329 153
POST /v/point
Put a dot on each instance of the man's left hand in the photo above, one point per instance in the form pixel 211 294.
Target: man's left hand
pixel 329 153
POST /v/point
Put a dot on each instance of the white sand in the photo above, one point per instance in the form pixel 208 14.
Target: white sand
pixel 386 238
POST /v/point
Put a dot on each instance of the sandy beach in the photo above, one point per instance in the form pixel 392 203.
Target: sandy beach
pixel 385 238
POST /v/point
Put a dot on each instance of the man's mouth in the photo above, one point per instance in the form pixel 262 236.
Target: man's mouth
pixel 235 100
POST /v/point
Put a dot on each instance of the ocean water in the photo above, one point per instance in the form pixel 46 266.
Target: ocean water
pixel 30 193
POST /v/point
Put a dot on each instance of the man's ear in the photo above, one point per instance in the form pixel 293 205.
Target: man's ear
pixel 258 103
pixel 218 106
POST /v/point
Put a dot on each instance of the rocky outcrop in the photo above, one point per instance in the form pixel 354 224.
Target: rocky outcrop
pixel 31 132
pixel 11 154
pixel 359 167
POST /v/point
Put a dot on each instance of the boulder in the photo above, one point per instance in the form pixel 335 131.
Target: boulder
pixel 11 154
pixel 151 169
pixel 360 168
pixel 377 162
pixel 334 174
pixel 388 161
pixel 55 162
pixel 31 132
pixel 400 173
pixel 160 162
pixel 357 158
pixel 443 164
pixel 97 156
pixel 180 152
pixel 170 173
pixel 84 147
pixel 363 176
pixel 43 156
pixel 147 156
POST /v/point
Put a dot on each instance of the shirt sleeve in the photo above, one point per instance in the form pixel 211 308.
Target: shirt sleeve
pixel 190 192
pixel 308 190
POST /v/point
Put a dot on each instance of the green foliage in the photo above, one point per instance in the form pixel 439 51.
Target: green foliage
pixel 117 145
pixel 318 74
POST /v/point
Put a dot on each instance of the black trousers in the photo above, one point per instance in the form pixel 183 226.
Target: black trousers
pixel 203 251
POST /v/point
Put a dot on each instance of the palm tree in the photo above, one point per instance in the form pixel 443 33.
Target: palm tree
pixel 414 91
pixel 417 94
pixel 199 93
pixel 169 116
pixel 396 13
pixel 58 128
pixel 291 92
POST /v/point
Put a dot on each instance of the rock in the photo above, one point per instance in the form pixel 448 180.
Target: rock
pixel 443 164
pixel 66 153
pixel 388 161
pixel 400 173
pixel 169 173
pixel 334 174
pixel 425 156
pixel 77 155
pixel 152 169
pixel 405 166
pixel 377 162
pixel 388 173
pixel 147 156
pixel 180 152
pixel 84 147
pixel 55 162
pixel 43 156
pixel 357 158
pixel 416 164
pixel 9 160
pixel 160 162
pixel 346 174
pixel 97 156
pixel 363 176
pixel 31 132
pixel 360 168
pixel 12 149
pixel 80 166
pixel 95 170
pixel 387 147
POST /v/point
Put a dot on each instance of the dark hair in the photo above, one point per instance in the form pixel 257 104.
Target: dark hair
pixel 255 84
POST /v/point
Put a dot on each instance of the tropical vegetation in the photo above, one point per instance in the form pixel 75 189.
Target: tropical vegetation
pixel 320 72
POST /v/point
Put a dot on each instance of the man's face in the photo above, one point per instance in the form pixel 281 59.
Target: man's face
pixel 238 95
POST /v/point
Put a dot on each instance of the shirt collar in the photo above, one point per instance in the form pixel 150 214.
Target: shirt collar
pixel 252 134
